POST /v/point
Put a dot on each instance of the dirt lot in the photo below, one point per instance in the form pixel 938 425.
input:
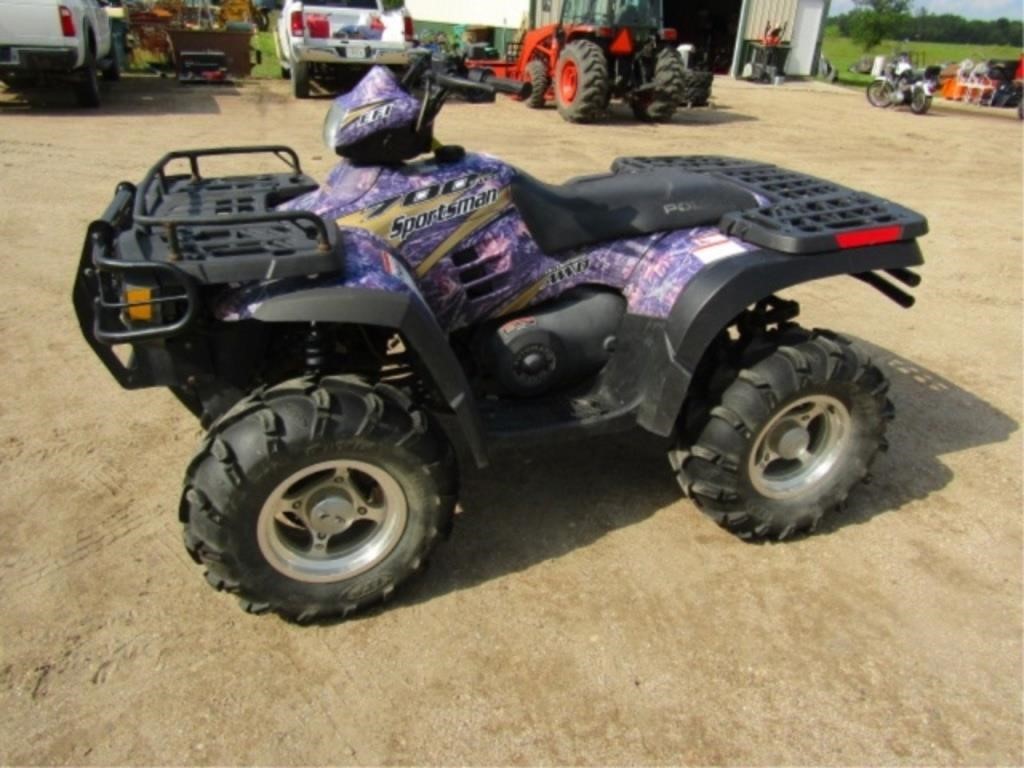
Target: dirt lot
pixel 581 613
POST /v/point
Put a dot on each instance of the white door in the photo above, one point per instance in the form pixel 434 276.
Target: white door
pixel 810 15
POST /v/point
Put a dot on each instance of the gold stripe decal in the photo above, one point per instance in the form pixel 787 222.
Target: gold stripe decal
pixel 354 114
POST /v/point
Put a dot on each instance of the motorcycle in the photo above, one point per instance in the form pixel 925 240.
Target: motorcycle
pixel 335 339
pixel 900 84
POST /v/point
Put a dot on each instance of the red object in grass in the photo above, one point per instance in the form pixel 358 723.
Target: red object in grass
pixel 865 237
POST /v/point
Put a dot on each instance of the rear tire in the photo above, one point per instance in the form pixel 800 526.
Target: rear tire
pixel 669 74
pixel 696 91
pixel 318 498
pixel 920 102
pixel 537 77
pixel 789 438
pixel 581 82
pixel 87 90
pixel 112 72
pixel 300 79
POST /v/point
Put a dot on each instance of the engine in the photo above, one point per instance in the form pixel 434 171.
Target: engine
pixel 554 346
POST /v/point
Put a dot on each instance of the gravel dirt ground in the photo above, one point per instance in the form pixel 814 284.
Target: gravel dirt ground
pixel 581 612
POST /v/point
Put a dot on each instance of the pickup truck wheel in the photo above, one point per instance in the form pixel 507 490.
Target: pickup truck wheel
pixel 316 498
pixel 789 439
pixel 112 72
pixel 300 79
pixel 87 91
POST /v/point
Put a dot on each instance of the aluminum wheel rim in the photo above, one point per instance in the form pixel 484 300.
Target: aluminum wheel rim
pixel 332 521
pixel 800 448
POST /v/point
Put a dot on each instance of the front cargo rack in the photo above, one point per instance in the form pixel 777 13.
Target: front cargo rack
pixel 145 259
pixel 799 213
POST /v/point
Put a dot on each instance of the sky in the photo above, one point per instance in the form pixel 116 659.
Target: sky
pixel 972 9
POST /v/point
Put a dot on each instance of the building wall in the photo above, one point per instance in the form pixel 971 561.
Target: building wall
pixel 492 13
pixel 760 12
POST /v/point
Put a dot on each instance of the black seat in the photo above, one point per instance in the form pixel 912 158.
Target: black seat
pixel 598 209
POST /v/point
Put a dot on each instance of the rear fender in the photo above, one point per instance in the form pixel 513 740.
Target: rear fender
pixel 402 312
pixel 723 290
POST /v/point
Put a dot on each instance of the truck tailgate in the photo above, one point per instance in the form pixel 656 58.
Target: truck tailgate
pixel 30 22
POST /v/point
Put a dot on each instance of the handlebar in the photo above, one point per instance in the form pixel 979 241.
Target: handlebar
pixel 448 74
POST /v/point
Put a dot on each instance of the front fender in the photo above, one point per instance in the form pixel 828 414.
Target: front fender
pixel 719 293
pixel 403 312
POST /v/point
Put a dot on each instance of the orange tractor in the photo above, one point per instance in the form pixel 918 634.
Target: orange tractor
pixel 599 50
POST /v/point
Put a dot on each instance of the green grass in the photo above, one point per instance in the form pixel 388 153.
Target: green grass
pixel 268 67
pixel 843 53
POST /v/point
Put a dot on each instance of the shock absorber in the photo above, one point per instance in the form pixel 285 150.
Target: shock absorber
pixel 314 352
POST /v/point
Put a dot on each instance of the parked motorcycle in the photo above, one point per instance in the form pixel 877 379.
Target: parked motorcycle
pixel 900 84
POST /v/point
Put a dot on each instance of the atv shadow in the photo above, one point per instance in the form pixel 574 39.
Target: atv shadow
pixel 539 504
pixel 934 418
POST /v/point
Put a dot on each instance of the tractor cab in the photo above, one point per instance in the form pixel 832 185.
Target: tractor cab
pixel 637 15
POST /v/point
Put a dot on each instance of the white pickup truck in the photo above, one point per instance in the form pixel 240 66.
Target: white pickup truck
pixel 66 40
pixel 338 40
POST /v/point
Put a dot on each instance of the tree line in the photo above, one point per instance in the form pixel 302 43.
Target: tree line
pixel 875 20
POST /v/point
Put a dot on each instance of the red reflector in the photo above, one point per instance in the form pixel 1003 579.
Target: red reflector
pixel 669 35
pixel 410 31
pixel 622 45
pixel 67 22
pixel 318 26
pixel 863 237
pixel 296 23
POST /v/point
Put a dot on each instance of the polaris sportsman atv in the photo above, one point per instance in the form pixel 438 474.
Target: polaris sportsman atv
pixel 335 338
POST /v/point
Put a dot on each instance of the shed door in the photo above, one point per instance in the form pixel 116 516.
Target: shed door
pixel 810 15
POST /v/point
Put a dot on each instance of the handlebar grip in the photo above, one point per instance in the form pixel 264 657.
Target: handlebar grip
pixel 517 88
pixel 462 84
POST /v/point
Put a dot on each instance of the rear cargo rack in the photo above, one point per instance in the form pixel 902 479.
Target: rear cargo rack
pixel 799 213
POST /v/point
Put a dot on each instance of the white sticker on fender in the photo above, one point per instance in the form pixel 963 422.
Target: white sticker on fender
pixel 714 247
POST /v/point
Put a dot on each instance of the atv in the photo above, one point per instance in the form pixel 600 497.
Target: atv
pixel 336 339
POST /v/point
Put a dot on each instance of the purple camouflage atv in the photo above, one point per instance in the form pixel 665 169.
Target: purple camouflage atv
pixel 334 339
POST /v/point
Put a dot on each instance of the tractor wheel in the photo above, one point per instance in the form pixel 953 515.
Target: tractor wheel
pixel 537 77
pixel 581 82
pixel 669 73
pixel 788 439
pixel 696 90
pixel 318 498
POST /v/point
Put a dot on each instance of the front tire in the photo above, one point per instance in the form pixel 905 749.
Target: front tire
pixel 789 439
pixel 581 82
pixel 316 499
pixel 920 102
pixel 537 77
pixel 879 94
